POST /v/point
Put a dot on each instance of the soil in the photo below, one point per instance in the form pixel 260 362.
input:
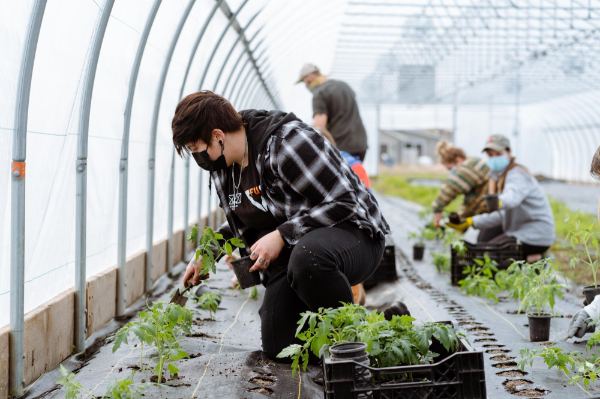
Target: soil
pixel 502 358
pixel 505 365
pixel 513 386
pixel 531 393
pixel 512 373
pixel 497 351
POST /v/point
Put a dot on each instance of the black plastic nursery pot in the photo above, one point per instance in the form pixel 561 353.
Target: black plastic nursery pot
pixel 590 292
pixel 539 327
pixel 418 251
pixel 241 268
pixel 492 202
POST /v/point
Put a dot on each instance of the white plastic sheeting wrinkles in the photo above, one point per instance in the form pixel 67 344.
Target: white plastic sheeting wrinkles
pixel 63 47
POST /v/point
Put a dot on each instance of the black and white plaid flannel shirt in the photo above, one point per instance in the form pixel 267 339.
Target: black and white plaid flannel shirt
pixel 306 185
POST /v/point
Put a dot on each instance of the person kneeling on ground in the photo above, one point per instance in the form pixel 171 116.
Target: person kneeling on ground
pixel 312 228
pixel 585 320
pixel 469 177
pixel 524 215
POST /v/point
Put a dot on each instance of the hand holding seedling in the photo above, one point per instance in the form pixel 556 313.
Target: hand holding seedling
pixel 266 250
pixel 192 274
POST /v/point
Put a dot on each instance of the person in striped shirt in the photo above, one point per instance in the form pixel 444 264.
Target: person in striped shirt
pixel 469 177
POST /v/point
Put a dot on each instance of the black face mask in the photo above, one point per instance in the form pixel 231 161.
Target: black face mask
pixel 203 160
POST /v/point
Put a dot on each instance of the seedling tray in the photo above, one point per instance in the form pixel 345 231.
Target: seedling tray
pixel 504 255
pixel 459 375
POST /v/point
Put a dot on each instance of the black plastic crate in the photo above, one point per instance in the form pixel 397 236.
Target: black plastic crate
pixel 386 270
pixel 504 255
pixel 459 375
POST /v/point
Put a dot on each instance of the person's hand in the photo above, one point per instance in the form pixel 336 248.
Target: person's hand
pixel 462 226
pixel 580 324
pixel 192 275
pixel 266 250
pixel 437 217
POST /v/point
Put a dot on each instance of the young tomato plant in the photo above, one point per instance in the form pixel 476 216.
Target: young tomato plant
pixel 479 279
pixel 160 326
pixel 586 236
pixel 543 289
pixel 211 247
pixel 209 301
pixel 441 262
pixel 389 343
pixel 124 388
pixel 576 366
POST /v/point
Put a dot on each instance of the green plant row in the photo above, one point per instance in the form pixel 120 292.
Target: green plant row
pixel 577 366
pixel 389 343
pixel 534 285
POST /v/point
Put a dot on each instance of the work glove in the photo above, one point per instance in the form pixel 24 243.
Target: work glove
pixel 581 323
pixel 585 320
pixel 462 225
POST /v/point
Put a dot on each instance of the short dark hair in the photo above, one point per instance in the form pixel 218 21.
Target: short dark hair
pixel 198 114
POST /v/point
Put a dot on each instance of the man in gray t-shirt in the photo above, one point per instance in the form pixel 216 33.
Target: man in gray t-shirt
pixel 335 111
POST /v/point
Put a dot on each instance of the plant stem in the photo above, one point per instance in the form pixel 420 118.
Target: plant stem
pixel 594 271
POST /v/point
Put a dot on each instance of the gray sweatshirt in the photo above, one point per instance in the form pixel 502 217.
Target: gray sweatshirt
pixel 525 212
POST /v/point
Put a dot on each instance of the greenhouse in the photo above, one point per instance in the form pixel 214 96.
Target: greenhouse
pixel 300 199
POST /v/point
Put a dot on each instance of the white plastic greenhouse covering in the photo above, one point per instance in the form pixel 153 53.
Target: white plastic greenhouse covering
pixel 67 29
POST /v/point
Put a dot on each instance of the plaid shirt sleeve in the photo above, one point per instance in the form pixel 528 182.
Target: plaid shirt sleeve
pixel 305 164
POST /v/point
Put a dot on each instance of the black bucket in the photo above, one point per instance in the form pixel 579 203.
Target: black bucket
pixel 244 276
pixel 590 293
pixel 492 202
pixel 539 327
pixel 418 252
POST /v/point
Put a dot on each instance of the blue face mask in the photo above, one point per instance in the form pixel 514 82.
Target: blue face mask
pixel 498 163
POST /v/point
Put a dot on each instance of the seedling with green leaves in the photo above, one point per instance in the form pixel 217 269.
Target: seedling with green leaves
pixel 577 366
pixel 160 326
pixel 210 301
pixel 540 289
pixel 479 279
pixel 389 343
pixel 211 247
pixel 441 262
pixel 425 234
pixel 586 236
pixel 124 388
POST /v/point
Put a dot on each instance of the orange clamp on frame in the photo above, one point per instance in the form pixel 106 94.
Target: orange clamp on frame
pixel 18 168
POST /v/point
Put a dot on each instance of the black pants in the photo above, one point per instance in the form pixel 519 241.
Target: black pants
pixel 322 267
pixel 485 235
pixel 527 249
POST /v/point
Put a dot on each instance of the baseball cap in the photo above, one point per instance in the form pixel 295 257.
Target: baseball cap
pixel 497 142
pixel 306 70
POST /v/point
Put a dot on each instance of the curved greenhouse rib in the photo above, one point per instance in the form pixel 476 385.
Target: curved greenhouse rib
pixel 124 161
pixel 81 170
pixel 17 249
pixel 152 147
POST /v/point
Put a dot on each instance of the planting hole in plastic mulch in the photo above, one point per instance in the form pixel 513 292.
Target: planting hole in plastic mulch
pixel 263 390
pixel 484 334
pixel 512 373
pixel 531 393
pixel 478 329
pixel 493 346
pixel 484 340
pixel 263 381
pixel 513 386
pixel 497 351
pixel 504 365
pixel 502 358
